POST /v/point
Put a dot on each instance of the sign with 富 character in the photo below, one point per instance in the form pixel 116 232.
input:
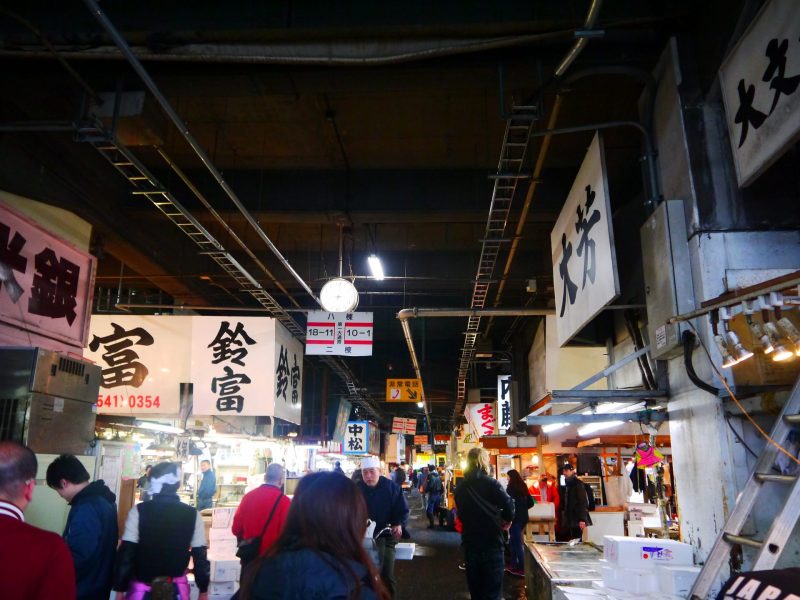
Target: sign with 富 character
pixel 403 390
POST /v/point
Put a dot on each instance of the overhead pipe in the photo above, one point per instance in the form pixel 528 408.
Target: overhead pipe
pixel 580 43
pixel 184 131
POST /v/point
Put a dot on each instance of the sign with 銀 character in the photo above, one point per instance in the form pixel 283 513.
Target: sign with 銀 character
pixel 45 282
pixel 340 334
pixel 582 246
pixel 403 390
pixel 503 410
pixel 760 83
pixel 144 359
pixel 246 366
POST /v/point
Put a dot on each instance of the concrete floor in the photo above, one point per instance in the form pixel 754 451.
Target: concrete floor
pixel 433 573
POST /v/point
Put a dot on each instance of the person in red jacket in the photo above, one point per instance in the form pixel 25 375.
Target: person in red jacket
pixel 257 505
pixel 34 564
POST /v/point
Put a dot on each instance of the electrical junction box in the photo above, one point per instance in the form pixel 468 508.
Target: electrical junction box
pixel 667 277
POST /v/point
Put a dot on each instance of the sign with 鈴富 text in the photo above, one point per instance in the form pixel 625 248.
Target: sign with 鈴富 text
pixel 342 334
pixel 582 246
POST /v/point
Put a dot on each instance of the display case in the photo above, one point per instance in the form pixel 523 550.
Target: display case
pixel 595 482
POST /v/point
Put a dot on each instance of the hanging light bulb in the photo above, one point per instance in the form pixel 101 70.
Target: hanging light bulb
pixel 780 352
pixel 722 346
pixel 791 332
pixel 760 336
pixel 738 351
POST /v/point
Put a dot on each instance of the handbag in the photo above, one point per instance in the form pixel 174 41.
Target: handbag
pixel 248 549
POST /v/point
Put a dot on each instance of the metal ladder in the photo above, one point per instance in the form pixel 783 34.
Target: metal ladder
pixel 770 548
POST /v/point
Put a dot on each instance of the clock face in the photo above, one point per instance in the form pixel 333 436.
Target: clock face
pixel 338 295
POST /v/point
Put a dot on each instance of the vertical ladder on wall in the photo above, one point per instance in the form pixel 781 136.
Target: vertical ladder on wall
pixel 763 477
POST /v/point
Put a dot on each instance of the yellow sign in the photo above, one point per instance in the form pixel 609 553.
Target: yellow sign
pixel 403 390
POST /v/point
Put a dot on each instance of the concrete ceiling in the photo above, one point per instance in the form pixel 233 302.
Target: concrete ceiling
pixel 382 119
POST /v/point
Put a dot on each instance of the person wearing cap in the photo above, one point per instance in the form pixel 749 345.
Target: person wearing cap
pixel 575 507
pixel 387 507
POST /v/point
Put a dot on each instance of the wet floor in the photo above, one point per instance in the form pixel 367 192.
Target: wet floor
pixel 433 573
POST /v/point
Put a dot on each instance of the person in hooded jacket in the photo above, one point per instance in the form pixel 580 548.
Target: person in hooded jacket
pixel 91 530
pixel 320 552
pixel 434 488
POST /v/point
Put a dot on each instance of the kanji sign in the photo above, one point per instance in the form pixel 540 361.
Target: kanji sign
pixel 45 282
pixel 760 82
pixel 503 410
pixel 342 334
pixel 582 245
pixel 403 390
pixel 246 366
pixel 420 439
pixel 144 359
pixel 403 425
pixel 361 437
pixel 481 418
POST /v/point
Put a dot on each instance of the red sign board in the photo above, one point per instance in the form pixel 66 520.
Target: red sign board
pixel 45 282
pixel 420 439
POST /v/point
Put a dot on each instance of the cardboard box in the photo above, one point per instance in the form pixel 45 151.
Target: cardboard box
pixel 218 534
pixel 676 581
pixel 646 553
pixel 404 550
pixel 222 588
pixel 222 518
pixel 225 570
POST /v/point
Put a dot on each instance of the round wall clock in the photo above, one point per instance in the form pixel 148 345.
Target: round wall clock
pixel 338 295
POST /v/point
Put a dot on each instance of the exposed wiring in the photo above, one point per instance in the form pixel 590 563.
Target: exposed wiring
pixel 736 433
pixel 739 404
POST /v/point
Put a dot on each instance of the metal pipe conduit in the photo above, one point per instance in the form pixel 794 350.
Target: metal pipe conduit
pixel 184 131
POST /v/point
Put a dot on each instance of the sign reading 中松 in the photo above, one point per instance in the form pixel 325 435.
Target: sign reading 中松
pixel 503 410
pixel 404 425
pixel 342 334
pixel 45 282
pixel 143 359
pixel 481 418
pixel 362 437
pixel 246 366
pixel 760 82
pixel 582 245
pixel 403 390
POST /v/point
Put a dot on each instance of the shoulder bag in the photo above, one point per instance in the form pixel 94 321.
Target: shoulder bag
pixel 248 549
pixel 492 511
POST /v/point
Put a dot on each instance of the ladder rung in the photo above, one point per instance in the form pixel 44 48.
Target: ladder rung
pixel 792 418
pixel 774 478
pixel 744 541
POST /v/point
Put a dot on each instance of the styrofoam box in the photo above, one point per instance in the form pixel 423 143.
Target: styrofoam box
pixel 404 550
pixel 636 581
pixel 676 581
pixel 227 588
pixel 219 534
pixel 225 570
pixel 545 510
pixel 646 553
pixel 222 518
pixel 219 597
pixel 222 550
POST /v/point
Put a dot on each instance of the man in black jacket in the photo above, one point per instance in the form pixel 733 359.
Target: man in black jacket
pixel 91 529
pixel 486 512
pixel 575 504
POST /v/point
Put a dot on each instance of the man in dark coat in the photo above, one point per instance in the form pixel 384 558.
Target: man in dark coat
pixel 485 511
pixel 575 504
pixel 208 486
pixel 387 506
pixel 91 529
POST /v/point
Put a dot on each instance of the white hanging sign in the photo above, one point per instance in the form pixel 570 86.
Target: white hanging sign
pixel 582 245
pixel 356 437
pixel 760 82
pixel 342 334
pixel 503 410
pixel 144 359
pixel 481 418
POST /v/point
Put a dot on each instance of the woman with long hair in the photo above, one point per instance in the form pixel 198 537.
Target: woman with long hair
pixel 523 500
pixel 319 554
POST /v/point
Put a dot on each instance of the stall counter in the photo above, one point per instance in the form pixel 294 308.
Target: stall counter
pixel 552 564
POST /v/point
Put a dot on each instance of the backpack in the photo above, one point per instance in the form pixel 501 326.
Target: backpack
pixel 435 484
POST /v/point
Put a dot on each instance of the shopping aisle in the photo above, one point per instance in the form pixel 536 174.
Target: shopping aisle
pixel 433 574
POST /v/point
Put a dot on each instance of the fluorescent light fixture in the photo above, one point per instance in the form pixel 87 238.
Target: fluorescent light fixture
pixel 420 405
pixel 376 267
pixel 149 425
pixel 592 427
pixel 292 434
pixel 552 427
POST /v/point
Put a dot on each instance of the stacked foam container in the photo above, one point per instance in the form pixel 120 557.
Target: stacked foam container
pixel 638 567
pixel 225 567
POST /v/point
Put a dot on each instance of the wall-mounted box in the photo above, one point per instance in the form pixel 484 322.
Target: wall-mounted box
pixel 667 275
